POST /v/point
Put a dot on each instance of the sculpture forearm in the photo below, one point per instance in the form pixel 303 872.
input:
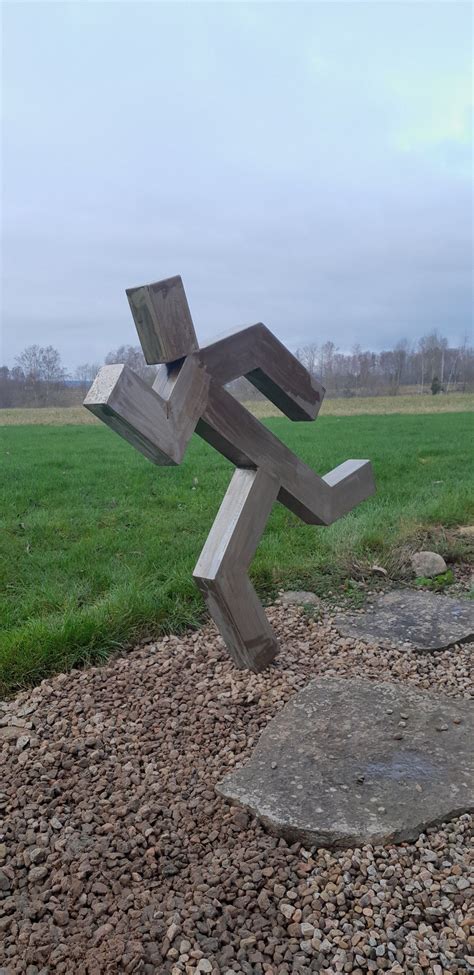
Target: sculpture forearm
pixel 159 428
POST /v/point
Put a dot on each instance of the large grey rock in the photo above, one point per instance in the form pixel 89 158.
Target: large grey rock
pixel 349 762
pixel 428 564
pixel 403 616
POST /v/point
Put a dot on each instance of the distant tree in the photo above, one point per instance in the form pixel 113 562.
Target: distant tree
pixel 400 357
pixel 367 362
pixel 39 369
pixel 328 351
pixel 466 362
pixel 308 356
pixel 388 367
pixel 435 347
pixel 87 372
pixel 6 391
pixel 16 374
pixel 132 356
pixel 29 362
pixel 436 386
pixel 422 348
pixel 41 364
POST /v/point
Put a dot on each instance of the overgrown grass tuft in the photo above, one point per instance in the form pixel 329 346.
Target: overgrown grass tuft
pixel 99 545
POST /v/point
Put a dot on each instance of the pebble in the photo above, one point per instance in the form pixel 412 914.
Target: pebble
pixel 37 873
pixel 22 742
pixel 117 855
pixel 5 882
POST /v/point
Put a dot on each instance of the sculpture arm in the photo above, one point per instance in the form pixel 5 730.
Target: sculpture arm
pixel 160 428
pixel 240 437
pixel 254 352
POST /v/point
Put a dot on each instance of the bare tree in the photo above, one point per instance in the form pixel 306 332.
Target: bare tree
pixel 423 349
pixel 308 355
pixel 42 364
pixel 328 351
pixel 86 373
pixel 465 355
pixel 435 351
pixel 42 372
pixel 132 356
pixel 400 357
pixel 356 353
pixel 443 347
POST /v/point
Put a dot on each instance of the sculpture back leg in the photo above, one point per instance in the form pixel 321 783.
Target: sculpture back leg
pixel 221 574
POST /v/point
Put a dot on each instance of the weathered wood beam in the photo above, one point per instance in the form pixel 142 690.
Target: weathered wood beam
pixel 239 523
pixel 221 569
pixel 159 428
pixel 232 430
pixel 254 352
pixel 240 618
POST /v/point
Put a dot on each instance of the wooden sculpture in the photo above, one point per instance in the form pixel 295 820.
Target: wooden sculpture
pixel 188 395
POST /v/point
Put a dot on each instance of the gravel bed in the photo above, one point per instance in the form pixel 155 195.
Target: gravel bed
pixel 117 855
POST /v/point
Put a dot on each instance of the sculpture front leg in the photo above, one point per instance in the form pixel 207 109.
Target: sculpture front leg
pixel 221 570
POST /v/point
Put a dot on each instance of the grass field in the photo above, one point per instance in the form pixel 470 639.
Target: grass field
pixel 450 403
pixel 99 545
pixel 375 405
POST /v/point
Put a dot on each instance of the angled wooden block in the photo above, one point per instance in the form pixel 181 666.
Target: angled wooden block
pixel 221 569
pixel 239 523
pixel 254 352
pixel 232 430
pixel 159 428
pixel 240 618
pixel 163 320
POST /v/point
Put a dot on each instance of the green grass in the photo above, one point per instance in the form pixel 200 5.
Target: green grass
pixel 99 545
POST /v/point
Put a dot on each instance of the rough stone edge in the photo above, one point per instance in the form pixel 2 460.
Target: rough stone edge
pixel 386 644
pixel 310 838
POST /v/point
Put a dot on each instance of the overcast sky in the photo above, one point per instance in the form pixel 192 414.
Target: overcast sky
pixel 305 165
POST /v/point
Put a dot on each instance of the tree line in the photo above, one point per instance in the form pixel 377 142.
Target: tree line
pixel 430 365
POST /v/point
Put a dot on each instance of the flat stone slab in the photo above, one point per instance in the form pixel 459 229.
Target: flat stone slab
pixel 424 619
pixel 349 762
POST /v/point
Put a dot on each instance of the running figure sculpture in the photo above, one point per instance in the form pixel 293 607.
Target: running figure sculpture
pixel 189 395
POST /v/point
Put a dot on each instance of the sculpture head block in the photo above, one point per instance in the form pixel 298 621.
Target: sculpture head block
pixel 163 320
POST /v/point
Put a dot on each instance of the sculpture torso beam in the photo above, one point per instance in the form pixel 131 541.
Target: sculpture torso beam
pixel 254 352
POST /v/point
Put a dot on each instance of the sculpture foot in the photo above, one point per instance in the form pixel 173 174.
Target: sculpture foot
pixel 221 570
